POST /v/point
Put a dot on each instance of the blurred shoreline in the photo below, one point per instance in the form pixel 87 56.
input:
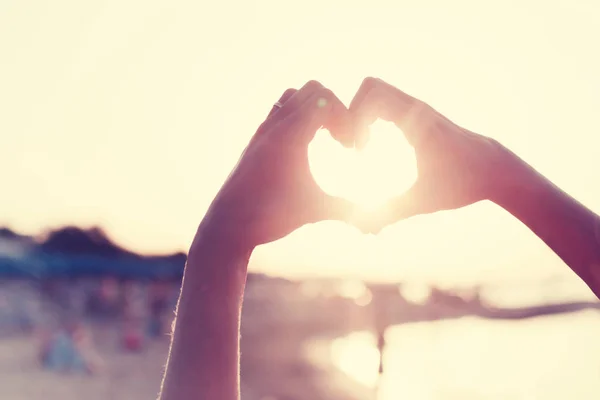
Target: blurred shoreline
pixel 126 302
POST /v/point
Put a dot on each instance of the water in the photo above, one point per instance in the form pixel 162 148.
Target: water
pixel 550 358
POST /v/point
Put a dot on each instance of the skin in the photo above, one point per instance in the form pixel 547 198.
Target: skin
pixel 271 192
pixel 457 167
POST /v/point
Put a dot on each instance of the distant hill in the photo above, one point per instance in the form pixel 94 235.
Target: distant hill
pixel 8 234
pixel 74 251
pixel 74 240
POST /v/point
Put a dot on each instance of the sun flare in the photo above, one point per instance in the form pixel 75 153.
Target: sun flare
pixel 384 169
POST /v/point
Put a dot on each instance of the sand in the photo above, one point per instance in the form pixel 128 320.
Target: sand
pixel 273 368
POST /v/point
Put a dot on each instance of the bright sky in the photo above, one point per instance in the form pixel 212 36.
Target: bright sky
pixel 130 114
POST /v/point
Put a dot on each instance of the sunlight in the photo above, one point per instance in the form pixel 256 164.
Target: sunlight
pixel 356 290
pixel 351 288
pixel 384 169
pixel 415 293
pixel 357 356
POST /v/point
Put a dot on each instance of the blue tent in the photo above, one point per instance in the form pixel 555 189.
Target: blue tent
pixel 74 252
pixel 42 265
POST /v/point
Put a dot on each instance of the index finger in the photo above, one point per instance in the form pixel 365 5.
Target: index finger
pixel 323 110
pixel 378 99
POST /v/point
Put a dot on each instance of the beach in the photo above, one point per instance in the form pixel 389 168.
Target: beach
pixel 551 358
pixel 273 368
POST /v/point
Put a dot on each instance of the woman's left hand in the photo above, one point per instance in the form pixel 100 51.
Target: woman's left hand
pixel 271 191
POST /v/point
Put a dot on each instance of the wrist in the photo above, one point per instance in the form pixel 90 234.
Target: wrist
pixel 218 253
pixel 518 184
pixel 510 176
pixel 223 230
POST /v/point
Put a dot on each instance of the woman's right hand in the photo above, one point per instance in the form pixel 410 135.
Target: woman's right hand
pixel 456 167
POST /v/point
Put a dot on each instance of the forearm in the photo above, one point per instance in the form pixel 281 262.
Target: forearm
pixel 570 229
pixel 204 356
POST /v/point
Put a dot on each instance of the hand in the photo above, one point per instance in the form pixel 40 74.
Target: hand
pixel 456 167
pixel 271 191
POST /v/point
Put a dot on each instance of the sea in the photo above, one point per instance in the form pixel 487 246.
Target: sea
pixel 550 357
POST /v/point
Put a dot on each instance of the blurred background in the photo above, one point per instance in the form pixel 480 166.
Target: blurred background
pixel 119 121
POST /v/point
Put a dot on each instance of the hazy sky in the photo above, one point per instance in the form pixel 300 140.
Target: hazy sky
pixel 130 114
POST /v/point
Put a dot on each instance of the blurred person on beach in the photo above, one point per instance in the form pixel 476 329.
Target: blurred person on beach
pixel 135 316
pixel 158 293
pixel 271 192
pixel 69 349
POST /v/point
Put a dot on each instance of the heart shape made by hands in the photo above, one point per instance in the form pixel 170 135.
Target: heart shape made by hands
pixel 369 177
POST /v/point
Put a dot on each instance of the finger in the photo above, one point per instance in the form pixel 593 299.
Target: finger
pixel 289 106
pixel 362 136
pixel 322 109
pixel 339 122
pixel 268 122
pixel 378 99
pixel 282 100
pixel 298 98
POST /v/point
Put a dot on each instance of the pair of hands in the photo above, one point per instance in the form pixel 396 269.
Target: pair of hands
pixel 271 191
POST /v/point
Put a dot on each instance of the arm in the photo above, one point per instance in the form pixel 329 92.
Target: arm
pixel 204 357
pixel 570 229
pixel 269 194
pixel 457 167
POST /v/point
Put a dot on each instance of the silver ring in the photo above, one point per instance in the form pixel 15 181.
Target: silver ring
pixel 277 104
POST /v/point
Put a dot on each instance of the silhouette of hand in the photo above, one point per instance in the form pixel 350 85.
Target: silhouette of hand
pixel 456 167
pixel 271 191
